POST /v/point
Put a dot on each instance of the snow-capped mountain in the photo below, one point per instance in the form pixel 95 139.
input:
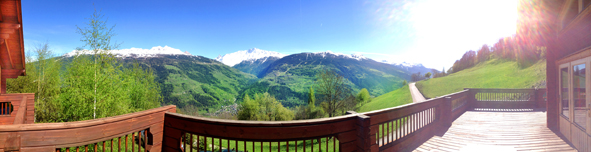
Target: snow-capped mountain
pixel 138 52
pixel 358 57
pixel 409 67
pixel 245 55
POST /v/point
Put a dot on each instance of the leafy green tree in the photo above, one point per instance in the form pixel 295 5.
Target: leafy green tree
pixel 333 89
pixel 428 75
pixel 43 79
pixel 97 37
pixel 309 111
pixel 311 97
pixel 97 85
pixel 404 83
pixel 248 109
pixel 264 107
pixel 363 96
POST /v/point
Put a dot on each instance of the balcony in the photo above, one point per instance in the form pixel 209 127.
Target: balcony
pixel 469 120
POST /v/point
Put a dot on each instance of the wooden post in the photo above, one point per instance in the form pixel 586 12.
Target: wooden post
pixel 552 84
pixel 446 112
pixel 471 99
pixel 366 140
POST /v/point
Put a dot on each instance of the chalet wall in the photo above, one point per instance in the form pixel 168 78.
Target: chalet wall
pixel 571 43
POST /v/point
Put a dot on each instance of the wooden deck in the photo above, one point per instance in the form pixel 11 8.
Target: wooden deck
pixel 498 131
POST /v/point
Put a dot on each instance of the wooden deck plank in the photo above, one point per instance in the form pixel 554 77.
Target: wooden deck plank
pixel 493 131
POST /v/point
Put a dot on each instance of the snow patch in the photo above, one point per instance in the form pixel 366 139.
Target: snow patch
pixel 357 57
pixel 247 55
pixel 136 52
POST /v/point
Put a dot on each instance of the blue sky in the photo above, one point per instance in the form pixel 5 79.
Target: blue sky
pixel 432 32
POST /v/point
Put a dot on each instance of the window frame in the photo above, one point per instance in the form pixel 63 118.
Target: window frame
pixel 584 61
pixel 568 67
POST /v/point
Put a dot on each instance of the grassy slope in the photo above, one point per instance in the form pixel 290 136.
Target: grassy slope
pixel 491 74
pixel 395 98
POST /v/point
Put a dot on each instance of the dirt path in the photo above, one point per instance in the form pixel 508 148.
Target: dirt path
pixel 415 93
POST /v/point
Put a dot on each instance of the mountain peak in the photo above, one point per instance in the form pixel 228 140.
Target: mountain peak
pixel 232 59
pixel 137 52
pixel 358 57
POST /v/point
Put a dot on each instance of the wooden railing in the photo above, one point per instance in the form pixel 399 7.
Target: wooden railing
pixel 401 128
pixel 187 133
pixel 96 134
pixel 508 98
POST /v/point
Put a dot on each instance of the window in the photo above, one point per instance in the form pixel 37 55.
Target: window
pixel 564 110
pixel 579 100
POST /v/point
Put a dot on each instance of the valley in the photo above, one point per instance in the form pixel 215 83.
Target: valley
pixel 204 84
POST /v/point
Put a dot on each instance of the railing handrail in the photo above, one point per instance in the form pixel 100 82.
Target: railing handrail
pixel 81 124
pixel 380 111
pixel 49 136
pixel 502 90
pixel 248 123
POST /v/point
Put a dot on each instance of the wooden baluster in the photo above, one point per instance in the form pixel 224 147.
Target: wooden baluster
pixel 86 148
pixel 413 123
pixel 253 146
pixel 132 141
pixel 387 133
pixel 383 135
pixel 104 148
pixel 334 144
pixel 407 125
pixel 1 108
pixel 119 144
pixel 261 146
pixel 96 147
pixel 191 143
pixel 184 142
pixel 111 144
pixel 399 128
pixel 77 149
pixel 146 140
pixel 326 143
pixel 220 140
pixel 422 119
pixel 270 146
pixel 67 149
pixel 304 145
pixel 245 145
pixel 125 143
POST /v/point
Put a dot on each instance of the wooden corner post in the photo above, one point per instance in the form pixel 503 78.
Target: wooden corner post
pixel 446 112
pixel 366 135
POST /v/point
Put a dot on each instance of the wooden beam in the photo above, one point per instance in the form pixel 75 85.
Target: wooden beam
pixel 9 56
pixel 10 25
pixel 12 73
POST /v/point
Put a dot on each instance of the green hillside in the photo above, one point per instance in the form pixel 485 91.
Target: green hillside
pixel 395 98
pixel 255 67
pixel 494 73
pixel 289 78
pixel 196 80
